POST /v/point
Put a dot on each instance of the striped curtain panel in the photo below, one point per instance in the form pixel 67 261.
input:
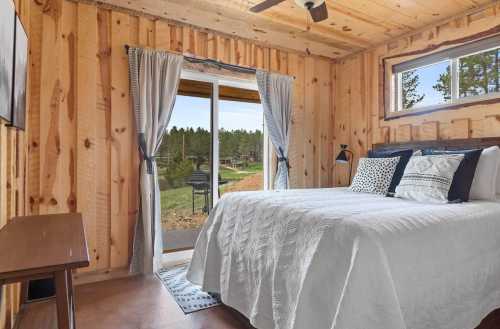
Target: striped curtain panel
pixel 154 80
pixel 276 97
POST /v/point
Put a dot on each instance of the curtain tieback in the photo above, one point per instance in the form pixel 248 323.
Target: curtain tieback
pixel 282 157
pixel 149 163
pixel 149 159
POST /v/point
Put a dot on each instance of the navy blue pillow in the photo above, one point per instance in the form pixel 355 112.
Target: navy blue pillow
pixel 462 180
pixel 400 168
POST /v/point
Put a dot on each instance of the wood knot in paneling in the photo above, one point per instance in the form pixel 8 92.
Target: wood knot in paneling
pixel 71 202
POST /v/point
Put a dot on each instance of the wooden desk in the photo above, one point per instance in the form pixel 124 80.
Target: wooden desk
pixel 36 247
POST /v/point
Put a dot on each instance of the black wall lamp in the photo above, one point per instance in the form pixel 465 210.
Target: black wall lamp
pixel 343 157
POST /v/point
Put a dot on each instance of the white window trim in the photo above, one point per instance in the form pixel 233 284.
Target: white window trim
pixel 216 81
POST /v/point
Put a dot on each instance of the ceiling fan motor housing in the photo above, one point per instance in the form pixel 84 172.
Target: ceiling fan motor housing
pixel 309 4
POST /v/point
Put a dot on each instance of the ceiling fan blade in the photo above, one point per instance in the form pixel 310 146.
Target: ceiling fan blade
pixel 265 5
pixel 319 13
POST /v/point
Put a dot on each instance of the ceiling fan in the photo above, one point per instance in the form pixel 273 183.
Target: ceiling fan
pixel 317 8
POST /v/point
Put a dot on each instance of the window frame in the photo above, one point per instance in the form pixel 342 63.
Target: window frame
pixel 393 97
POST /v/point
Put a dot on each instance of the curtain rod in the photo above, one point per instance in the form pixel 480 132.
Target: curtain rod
pixel 220 65
pixel 215 63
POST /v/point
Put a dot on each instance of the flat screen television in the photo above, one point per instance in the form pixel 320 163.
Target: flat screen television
pixel 18 119
pixel 7 30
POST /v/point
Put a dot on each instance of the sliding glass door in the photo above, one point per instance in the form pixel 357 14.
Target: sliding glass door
pixel 214 144
pixel 185 166
pixel 241 144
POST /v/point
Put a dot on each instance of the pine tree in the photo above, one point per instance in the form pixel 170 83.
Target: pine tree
pixel 410 82
pixel 478 75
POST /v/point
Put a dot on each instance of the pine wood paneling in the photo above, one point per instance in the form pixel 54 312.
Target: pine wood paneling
pixel 466 122
pixel 82 146
pixel 85 155
pixel 404 133
pixel 33 115
pixel 103 133
pixel 50 99
pixel 351 126
pixel 86 111
pixel 351 26
pixel 121 141
pixel 429 131
pixel 323 126
pixel 296 151
pixel 309 122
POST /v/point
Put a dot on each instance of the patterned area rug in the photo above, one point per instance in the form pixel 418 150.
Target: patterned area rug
pixel 188 296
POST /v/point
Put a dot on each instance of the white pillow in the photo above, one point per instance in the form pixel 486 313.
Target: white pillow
pixel 484 184
pixel 374 175
pixel 428 178
pixel 417 153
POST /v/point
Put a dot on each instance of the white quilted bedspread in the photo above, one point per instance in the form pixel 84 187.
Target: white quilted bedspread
pixel 331 258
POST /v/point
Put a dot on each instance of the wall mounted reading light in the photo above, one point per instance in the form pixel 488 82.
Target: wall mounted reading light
pixel 345 156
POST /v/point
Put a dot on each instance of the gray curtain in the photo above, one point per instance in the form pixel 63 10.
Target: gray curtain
pixel 276 97
pixel 154 80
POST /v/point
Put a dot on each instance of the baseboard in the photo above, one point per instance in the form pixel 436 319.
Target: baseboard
pixel 101 275
pixel 168 259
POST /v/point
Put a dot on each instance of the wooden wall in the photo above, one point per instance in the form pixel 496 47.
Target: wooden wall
pixel 13 164
pixel 83 152
pixel 79 152
pixel 359 94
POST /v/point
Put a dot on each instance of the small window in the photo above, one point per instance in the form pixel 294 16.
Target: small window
pixel 466 74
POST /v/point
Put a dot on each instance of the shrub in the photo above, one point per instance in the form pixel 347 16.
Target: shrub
pixel 163 184
pixel 176 174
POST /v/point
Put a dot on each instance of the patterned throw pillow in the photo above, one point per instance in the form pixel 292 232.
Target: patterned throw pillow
pixel 404 155
pixel 462 180
pixel 374 175
pixel 428 178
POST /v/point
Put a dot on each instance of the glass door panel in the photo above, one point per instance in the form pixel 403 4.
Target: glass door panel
pixel 241 140
pixel 214 144
pixel 185 166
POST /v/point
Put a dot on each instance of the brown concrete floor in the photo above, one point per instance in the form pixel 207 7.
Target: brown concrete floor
pixel 144 303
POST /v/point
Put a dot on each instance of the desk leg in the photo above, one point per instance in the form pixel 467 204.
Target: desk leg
pixel 62 300
pixel 71 298
pixel 24 292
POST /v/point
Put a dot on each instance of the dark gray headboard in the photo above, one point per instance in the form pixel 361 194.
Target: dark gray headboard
pixel 448 144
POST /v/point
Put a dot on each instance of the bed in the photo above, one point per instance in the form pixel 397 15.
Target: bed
pixel 332 258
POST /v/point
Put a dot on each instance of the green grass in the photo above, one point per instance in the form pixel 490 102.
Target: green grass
pixel 239 174
pixel 255 167
pixel 180 199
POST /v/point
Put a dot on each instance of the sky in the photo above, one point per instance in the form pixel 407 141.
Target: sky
pixel 195 112
pixel 429 75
